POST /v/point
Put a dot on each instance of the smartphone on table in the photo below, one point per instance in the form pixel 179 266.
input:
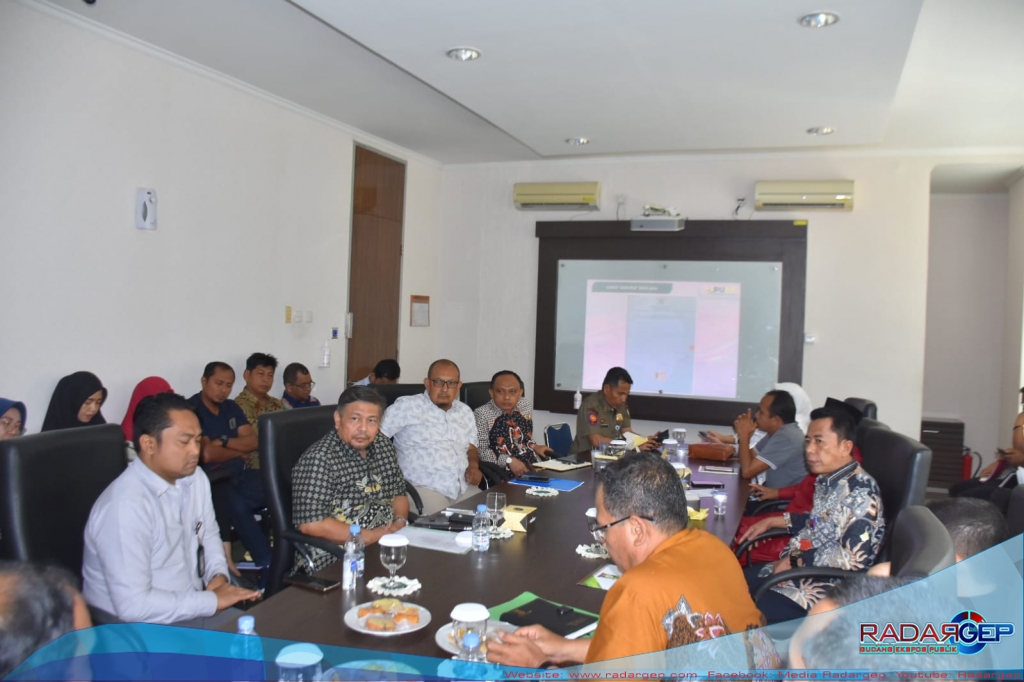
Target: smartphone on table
pixel 311 582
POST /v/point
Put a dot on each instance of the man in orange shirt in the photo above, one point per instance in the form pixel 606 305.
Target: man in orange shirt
pixel 679 585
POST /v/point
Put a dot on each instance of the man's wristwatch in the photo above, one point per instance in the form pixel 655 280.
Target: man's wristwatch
pixel 794 558
pixel 404 520
pixel 224 441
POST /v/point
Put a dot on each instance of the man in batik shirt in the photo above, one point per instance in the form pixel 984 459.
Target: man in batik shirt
pixel 505 426
pixel 843 530
pixel 349 476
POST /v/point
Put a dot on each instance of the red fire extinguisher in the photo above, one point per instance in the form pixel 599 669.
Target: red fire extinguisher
pixel 967 468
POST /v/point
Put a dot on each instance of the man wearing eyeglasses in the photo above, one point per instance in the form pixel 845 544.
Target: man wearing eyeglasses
pixel 298 386
pixel 435 436
pixel 679 585
pixel 152 547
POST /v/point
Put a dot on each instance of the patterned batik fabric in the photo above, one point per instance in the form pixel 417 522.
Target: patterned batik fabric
pixel 844 529
pixel 332 480
pixel 690 589
pixel 708 631
pixel 504 436
pixel 250 405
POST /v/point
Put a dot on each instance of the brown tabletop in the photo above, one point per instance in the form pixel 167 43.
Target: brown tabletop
pixel 544 562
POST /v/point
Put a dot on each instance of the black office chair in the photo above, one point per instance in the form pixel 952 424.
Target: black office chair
pixel 475 393
pixel 867 407
pixel 900 465
pixel 925 547
pixel 48 485
pixel 392 392
pixel 920 545
pixel 284 436
pixel 863 426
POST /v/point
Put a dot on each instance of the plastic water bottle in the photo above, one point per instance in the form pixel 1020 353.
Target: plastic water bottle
pixel 358 548
pixel 481 530
pixel 349 568
pixel 247 651
pixel 577 399
pixel 470 649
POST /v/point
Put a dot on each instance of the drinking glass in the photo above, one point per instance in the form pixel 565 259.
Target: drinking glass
pixel 495 509
pixel 721 499
pixel 394 549
pixel 300 663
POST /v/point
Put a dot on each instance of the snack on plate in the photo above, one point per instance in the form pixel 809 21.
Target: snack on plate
pixel 382 607
pixel 380 623
pixel 410 615
pixel 388 605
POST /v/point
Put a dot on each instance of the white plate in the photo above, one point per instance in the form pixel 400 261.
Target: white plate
pixel 358 624
pixel 448 645
pixel 367 669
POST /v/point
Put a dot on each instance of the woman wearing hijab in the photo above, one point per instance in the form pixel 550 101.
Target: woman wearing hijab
pixel 149 386
pixel 12 418
pixel 76 402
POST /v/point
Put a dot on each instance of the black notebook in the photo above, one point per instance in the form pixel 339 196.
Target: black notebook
pixel 561 620
pixel 455 522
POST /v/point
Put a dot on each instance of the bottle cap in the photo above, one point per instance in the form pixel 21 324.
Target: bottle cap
pixel 481 508
pixel 246 623
pixel 354 528
pixel 471 640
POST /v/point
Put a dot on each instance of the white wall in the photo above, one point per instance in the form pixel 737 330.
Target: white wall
pixel 867 270
pixel 1013 348
pixel 966 304
pixel 254 213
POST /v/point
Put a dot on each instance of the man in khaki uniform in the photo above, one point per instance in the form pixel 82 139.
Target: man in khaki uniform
pixel 603 416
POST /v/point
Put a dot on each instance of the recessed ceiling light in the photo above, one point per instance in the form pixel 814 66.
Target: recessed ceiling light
pixel 578 141
pixel 463 54
pixel 818 19
pixel 821 131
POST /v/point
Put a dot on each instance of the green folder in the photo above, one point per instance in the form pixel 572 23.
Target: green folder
pixel 525 598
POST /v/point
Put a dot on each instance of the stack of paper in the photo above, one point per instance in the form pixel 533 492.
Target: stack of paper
pixel 558 465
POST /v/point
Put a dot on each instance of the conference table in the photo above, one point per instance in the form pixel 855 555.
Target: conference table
pixel 543 561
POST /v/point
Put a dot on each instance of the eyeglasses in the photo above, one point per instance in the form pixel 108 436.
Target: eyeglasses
pixel 451 383
pixel 11 425
pixel 200 552
pixel 599 531
pixel 306 385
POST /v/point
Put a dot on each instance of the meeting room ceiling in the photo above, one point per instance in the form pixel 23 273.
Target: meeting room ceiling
pixel 634 77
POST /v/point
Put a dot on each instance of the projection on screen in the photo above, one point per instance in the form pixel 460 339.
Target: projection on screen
pixel 679 338
pixel 681 328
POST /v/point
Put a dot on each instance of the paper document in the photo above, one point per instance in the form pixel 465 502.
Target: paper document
pixel 603 578
pixel 633 441
pixel 557 465
pixel 438 540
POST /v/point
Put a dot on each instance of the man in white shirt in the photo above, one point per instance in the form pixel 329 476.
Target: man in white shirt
pixel 435 436
pixel 152 546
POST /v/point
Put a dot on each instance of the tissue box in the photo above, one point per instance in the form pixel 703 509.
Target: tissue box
pixel 519 519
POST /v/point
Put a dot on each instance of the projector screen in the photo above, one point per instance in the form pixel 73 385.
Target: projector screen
pixel 705 319
pixel 700 329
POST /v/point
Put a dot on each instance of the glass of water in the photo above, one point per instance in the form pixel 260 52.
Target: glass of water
pixel 300 663
pixel 394 549
pixel 495 509
pixel 721 499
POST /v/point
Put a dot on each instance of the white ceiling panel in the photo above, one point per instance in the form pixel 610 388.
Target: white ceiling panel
pixel 649 76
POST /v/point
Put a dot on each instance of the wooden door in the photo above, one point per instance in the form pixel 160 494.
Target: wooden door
pixel 376 261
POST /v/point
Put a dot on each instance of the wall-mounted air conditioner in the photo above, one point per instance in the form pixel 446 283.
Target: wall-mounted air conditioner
pixel 557 196
pixel 800 195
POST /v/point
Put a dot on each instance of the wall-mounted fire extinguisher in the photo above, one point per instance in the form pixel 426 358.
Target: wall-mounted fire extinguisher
pixel 967 468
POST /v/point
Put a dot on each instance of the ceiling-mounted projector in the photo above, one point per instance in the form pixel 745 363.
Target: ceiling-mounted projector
pixel 657 224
